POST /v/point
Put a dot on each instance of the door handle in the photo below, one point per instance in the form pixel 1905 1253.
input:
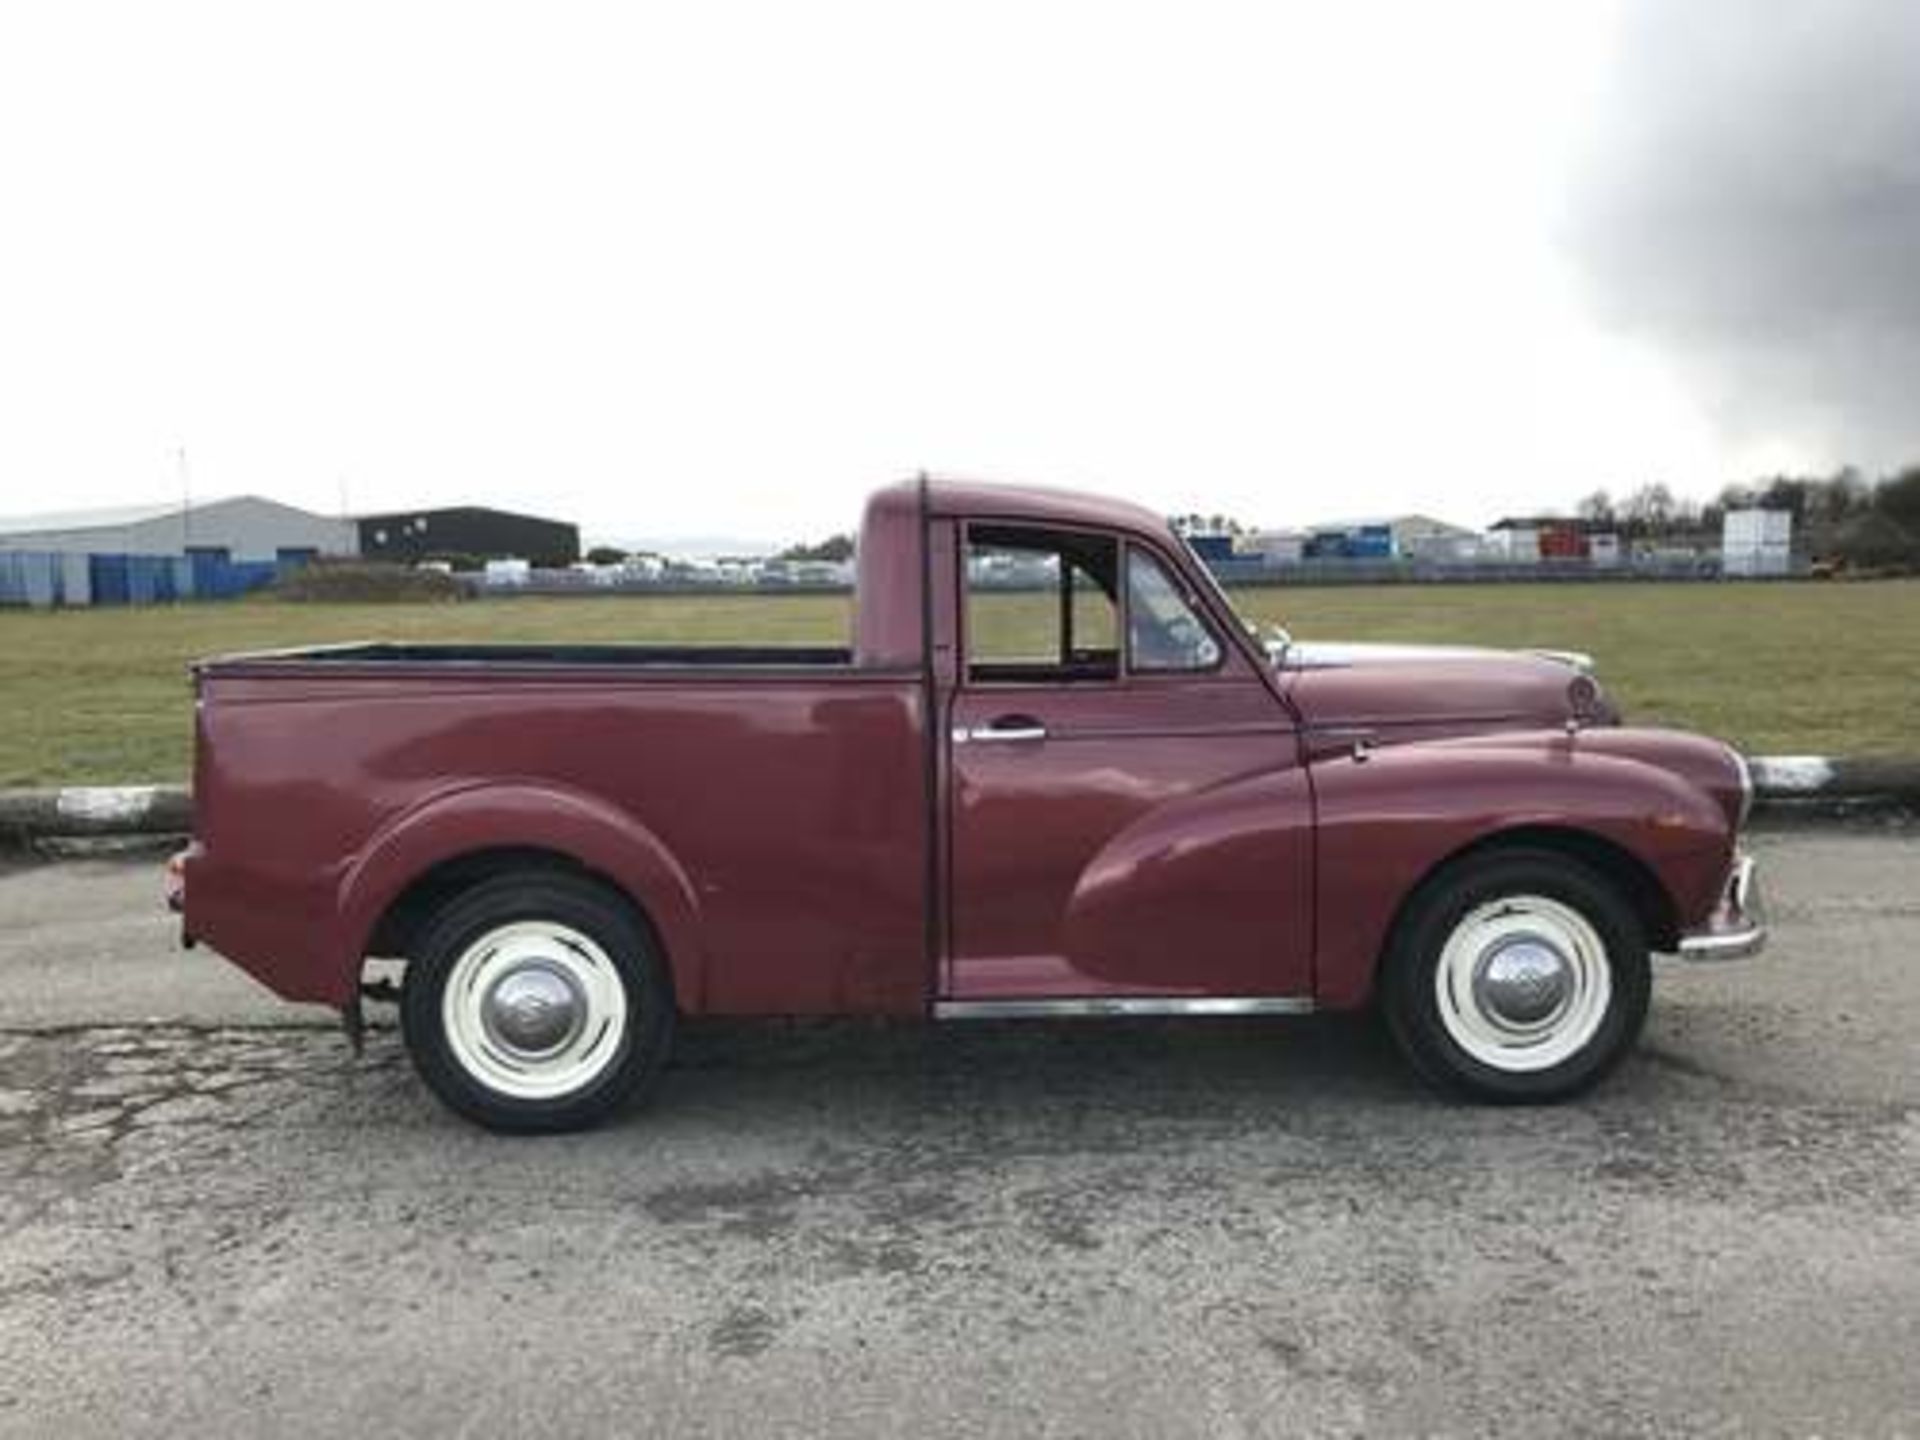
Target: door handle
pixel 1004 730
pixel 1358 740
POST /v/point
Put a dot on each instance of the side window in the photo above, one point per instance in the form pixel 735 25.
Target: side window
pixel 1164 631
pixel 1041 605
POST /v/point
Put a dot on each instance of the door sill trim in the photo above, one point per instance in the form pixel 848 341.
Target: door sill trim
pixel 1122 1005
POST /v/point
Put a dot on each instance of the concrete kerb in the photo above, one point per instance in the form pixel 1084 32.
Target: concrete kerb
pixel 1831 786
pixel 138 816
pixel 82 810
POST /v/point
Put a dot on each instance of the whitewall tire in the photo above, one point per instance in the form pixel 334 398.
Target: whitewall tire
pixel 537 1001
pixel 1518 975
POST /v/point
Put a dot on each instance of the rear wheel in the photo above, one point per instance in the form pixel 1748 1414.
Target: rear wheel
pixel 1517 975
pixel 536 1002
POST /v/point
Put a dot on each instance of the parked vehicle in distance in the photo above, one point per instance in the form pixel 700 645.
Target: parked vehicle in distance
pixel 1096 792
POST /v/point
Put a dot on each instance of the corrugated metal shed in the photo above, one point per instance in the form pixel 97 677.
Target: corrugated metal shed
pixel 409 536
pixel 245 528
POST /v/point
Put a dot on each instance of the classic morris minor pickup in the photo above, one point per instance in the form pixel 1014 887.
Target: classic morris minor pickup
pixel 1052 774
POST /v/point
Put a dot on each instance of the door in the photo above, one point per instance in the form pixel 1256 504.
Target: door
pixel 1128 815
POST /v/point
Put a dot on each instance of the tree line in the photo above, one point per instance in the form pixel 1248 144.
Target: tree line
pixel 1871 524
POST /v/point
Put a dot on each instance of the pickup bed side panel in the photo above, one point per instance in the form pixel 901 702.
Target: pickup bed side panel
pixel 786 812
pixel 1388 821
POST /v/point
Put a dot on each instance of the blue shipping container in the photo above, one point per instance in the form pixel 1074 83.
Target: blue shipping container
pixel 1211 547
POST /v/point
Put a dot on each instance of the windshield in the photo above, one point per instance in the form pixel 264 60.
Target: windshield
pixel 1272 638
pixel 1164 632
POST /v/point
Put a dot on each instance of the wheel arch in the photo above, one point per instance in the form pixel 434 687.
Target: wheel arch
pixel 460 840
pixel 1388 825
pixel 397 929
pixel 1638 883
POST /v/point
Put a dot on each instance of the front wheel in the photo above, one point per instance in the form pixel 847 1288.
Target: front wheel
pixel 1517 976
pixel 536 1001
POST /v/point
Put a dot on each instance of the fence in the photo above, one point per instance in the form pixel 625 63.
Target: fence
pixel 1248 571
pixel 218 579
pixel 42 579
pixel 572 582
pixel 1253 570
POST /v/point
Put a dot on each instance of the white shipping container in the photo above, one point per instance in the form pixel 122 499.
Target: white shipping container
pixel 1521 546
pixel 1756 529
pixel 1756 542
pixel 1279 547
pixel 1604 550
pixel 1759 560
pixel 1446 549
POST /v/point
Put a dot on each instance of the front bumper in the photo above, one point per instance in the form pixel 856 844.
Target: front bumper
pixel 1738 926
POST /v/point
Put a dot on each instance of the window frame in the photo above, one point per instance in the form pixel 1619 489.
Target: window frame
pixel 1043 675
pixel 1125 543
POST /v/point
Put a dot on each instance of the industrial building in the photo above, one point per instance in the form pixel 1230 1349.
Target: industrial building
pixel 410 536
pixel 245 528
pixel 1385 538
pixel 147 554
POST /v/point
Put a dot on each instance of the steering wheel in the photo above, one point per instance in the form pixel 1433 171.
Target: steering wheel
pixel 1180 642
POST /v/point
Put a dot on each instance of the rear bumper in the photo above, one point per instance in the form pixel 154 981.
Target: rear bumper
pixel 1738 926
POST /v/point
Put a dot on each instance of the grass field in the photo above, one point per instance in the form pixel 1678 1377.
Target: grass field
pixel 101 696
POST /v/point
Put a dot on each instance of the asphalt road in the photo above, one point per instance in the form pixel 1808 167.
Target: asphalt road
pixel 214 1221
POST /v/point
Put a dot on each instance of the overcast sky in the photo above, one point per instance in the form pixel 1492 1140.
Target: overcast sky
pixel 718 268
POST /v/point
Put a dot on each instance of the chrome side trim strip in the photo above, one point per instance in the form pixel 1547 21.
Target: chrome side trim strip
pixel 1120 1005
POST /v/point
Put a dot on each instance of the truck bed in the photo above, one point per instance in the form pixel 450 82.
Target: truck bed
pixel 779 795
pixel 385 653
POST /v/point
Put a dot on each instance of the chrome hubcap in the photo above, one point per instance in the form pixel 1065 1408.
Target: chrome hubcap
pixel 533 1009
pixel 1523 981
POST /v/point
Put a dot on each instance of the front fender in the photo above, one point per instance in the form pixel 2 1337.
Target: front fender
pixel 523 814
pixel 1389 820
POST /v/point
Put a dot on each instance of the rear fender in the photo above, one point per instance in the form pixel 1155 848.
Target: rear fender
pixel 1388 821
pixel 523 815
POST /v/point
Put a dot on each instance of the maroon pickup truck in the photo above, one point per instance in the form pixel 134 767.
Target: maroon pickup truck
pixel 1053 774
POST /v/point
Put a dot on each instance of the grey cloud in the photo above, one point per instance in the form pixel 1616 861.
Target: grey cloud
pixel 1751 206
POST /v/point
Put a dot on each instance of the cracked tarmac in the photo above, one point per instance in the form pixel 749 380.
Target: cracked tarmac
pixel 213 1219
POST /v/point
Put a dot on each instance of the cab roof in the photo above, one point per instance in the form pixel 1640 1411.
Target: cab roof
pixel 1039 504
